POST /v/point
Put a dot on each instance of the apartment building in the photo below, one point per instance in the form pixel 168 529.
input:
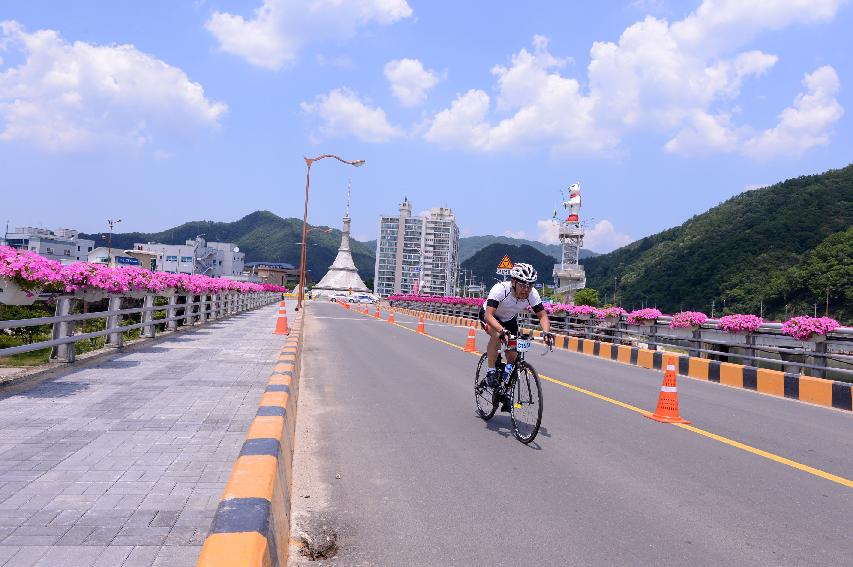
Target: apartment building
pixel 416 254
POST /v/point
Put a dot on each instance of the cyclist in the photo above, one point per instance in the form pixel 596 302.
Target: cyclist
pixel 499 315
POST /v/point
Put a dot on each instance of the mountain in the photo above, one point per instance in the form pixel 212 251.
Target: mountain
pixel 263 236
pixel 484 263
pixel 470 245
pixel 777 248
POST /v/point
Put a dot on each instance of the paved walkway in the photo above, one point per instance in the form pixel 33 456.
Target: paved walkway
pixel 122 463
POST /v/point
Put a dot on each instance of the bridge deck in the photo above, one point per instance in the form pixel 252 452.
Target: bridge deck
pixel 123 462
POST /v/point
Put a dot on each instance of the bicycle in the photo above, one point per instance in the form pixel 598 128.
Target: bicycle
pixel 521 390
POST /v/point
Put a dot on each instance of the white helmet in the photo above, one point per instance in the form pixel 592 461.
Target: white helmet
pixel 523 272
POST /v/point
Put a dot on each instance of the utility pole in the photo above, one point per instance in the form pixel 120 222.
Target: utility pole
pixel 826 312
pixel 712 309
pixel 111 222
pixel 761 308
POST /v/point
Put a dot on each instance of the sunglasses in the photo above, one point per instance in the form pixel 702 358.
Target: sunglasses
pixel 523 285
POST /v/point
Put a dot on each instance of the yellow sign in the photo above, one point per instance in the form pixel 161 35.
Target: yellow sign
pixel 505 264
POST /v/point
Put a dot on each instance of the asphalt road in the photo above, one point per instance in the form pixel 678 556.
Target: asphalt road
pixel 424 481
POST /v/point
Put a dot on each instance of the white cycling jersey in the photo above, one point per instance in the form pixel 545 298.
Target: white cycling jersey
pixel 507 305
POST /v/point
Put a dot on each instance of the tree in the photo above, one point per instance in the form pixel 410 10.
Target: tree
pixel 587 296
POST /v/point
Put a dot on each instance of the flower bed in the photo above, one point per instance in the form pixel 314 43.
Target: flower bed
pixel 806 328
pixel 447 300
pixel 36 274
pixel 688 320
pixel 740 323
pixel 645 316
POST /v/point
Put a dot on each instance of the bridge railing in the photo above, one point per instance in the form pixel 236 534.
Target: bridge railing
pixel 826 357
pixel 181 310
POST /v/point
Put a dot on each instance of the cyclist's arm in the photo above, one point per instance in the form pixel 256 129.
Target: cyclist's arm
pixel 543 318
pixel 491 320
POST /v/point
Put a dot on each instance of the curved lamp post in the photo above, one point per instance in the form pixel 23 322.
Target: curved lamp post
pixel 308 162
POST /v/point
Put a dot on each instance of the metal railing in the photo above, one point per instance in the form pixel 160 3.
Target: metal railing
pixel 830 357
pixel 181 310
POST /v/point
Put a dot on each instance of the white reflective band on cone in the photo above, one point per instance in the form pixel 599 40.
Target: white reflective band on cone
pixel 670 367
pixel 668 389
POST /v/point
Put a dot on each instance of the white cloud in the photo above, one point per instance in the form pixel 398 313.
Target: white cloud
pixel 342 113
pixel 804 125
pixel 681 80
pixel 515 234
pixel 549 231
pixel 278 29
pixel 605 238
pixel 410 82
pixel 79 96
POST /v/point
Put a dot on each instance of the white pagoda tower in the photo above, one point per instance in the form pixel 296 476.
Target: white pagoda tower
pixel 342 276
pixel 569 275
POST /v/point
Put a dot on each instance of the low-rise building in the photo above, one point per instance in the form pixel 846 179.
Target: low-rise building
pixel 275 273
pixel 215 259
pixel 63 245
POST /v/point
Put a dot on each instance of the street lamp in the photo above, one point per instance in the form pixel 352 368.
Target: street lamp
pixel 308 162
pixel 111 222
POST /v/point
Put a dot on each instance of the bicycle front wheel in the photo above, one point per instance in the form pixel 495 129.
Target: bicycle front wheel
pixel 483 395
pixel 526 404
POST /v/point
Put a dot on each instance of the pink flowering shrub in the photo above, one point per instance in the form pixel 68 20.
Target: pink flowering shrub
pixel 448 300
pixel 740 323
pixel 607 312
pixel 643 316
pixel 687 319
pixel 33 272
pixel 30 271
pixel 802 328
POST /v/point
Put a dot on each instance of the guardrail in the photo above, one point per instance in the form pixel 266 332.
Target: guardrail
pixel 828 357
pixel 181 310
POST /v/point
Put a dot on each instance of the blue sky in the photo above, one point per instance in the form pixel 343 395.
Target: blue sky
pixel 165 111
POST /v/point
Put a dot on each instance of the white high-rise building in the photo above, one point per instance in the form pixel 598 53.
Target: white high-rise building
pixel 415 254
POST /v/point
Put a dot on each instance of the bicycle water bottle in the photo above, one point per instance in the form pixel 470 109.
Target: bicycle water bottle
pixel 508 370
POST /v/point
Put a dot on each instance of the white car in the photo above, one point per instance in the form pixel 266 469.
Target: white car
pixel 363 298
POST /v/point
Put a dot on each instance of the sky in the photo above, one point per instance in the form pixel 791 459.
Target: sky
pixel 166 111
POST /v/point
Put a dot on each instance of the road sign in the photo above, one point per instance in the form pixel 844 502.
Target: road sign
pixel 504 266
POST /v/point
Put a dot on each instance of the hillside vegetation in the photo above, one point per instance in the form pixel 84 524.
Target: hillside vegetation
pixel 263 236
pixel 779 246
pixel 485 262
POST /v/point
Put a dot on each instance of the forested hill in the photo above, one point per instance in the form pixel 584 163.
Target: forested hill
pixel 781 246
pixel 485 262
pixel 263 236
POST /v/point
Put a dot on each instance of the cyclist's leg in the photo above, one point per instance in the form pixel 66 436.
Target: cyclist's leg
pixel 494 341
pixel 512 327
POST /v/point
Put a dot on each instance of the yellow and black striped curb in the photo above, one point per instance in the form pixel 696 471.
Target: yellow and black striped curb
pixel 251 527
pixel 819 391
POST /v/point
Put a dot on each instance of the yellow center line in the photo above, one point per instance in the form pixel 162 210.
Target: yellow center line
pixel 725 440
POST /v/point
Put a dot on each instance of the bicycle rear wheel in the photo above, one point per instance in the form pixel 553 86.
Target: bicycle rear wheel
pixel 484 396
pixel 526 404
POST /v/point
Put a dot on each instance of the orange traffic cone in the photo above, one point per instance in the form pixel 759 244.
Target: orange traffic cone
pixel 281 323
pixel 471 343
pixel 377 315
pixel 421 330
pixel 667 410
pixel 391 315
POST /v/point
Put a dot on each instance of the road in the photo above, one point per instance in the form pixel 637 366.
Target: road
pixel 424 481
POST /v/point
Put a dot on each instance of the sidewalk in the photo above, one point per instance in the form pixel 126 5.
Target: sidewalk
pixel 122 463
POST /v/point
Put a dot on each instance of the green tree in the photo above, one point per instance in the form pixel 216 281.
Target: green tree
pixel 587 296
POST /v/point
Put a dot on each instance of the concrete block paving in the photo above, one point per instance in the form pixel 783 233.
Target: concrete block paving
pixel 122 463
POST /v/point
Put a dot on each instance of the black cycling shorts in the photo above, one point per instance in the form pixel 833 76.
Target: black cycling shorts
pixel 511 325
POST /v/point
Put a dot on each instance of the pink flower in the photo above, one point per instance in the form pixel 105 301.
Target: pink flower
pixel 687 319
pixel 740 323
pixel 802 328
pixel 642 316
pixel 614 312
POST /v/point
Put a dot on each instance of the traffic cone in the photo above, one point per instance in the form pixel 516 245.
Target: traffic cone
pixel 667 410
pixel 377 315
pixel 391 315
pixel 421 330
pixel 281 323
pixel 471 343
